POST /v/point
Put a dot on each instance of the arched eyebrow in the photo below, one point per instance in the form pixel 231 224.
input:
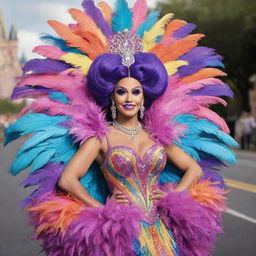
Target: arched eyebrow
pixel 120 86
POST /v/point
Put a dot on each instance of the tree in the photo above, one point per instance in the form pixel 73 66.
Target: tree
pixel 230 28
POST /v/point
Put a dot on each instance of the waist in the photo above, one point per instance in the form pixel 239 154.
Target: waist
pixel 136 192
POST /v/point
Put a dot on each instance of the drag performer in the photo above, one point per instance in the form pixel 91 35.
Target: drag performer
pixel 123 148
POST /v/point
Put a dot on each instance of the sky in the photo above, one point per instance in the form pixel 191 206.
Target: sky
pixel 30 16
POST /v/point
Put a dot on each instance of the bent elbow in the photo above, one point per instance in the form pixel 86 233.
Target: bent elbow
pixel 199 173
pixel 63 184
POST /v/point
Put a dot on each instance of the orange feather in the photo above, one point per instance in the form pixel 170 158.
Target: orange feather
pixel 58 213
pixel 202 74
pixel 85 23
pixel 167 53
pixel 74 40
pixel 207 194
pixel 172 27
pixel 106 10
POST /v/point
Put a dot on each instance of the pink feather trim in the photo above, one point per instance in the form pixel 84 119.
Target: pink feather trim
pixel 194 226
pixel 139 11
pixel 51 52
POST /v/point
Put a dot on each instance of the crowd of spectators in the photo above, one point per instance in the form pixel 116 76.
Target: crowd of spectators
pixel 245 131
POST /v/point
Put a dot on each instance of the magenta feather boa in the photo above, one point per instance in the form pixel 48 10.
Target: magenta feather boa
pixel 100 231
pixel 194 225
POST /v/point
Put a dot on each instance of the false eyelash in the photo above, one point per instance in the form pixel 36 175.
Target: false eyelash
pixel 136 92
pixel 120 92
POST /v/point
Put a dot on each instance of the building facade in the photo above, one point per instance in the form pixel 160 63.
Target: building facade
pixel 10 66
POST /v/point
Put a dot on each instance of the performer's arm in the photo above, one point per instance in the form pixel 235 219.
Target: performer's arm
pixel 185 163
pixel 77 168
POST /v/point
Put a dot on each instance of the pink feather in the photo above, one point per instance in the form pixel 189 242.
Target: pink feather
pixel 52 107
pixel 51 52
pixel 209 100
pixel 197 85
pixel 66 81
pixel 139 11
pixel 203 112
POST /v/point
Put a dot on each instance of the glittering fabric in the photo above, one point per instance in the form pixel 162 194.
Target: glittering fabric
pixel 137 176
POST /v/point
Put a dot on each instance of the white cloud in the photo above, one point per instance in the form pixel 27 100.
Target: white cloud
pixel 35 16
pixel 27 41
pixel 55 11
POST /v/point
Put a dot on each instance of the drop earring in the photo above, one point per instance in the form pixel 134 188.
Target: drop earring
pixel 142 109
pixel 113 110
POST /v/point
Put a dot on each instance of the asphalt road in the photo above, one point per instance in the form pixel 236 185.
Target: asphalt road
pixel 239 221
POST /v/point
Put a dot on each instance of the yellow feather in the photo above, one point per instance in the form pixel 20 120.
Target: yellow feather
pixel 78 60
pixel 149 37
pixel 172 66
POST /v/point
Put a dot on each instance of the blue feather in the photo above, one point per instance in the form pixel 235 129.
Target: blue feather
pixel 30 123
pixel 204 136
pixel 23 161
pixel 60 43
pixel 152 18
pixel 94 182
pixel 51 142
pixel 59 96
pixel 42 159
pixel 170 174
pixel 122 17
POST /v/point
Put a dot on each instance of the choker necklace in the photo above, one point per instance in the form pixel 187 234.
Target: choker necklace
pixel 131 131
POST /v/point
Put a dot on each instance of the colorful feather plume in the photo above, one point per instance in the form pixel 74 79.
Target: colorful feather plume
pixel 122 17
pixel 64 115
pixel 139 11
pixel 149 37
pixel 106 11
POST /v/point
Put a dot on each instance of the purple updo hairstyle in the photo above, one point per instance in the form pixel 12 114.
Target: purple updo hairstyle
pixel 107 70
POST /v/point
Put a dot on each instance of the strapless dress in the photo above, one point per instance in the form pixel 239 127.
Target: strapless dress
pixel 137 176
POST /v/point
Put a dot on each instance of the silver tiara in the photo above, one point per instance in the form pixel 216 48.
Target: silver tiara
pixel 126 44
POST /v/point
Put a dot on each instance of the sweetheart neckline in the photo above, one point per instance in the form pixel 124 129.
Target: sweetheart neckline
pixel 125 146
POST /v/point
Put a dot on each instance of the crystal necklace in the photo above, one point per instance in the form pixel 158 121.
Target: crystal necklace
pixel 131 131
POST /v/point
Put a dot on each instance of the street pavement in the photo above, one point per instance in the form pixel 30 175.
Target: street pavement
pixel 239 221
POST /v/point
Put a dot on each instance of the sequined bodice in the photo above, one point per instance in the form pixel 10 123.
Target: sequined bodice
pixel 134 175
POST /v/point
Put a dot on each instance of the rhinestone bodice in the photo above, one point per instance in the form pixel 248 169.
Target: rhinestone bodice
pixel 136 176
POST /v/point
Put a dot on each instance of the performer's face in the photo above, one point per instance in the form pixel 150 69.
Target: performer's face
pixel 128 96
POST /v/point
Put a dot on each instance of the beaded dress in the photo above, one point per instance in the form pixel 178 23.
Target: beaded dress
pixel 136 177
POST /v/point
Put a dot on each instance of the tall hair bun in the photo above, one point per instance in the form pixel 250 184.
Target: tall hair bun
pixel 107 70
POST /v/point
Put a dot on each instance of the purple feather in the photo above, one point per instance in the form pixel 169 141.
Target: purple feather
pixel 214 90
pixel 99 231
pixel 200 52
pixel 97 16
pixel 27 90
pixel 194 226
pixel 212 175
pixel 198 58
pixel 46 177
pixel 184 30
pixel 41 66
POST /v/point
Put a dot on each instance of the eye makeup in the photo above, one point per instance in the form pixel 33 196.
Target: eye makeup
pixel 121 90
pixel 136 91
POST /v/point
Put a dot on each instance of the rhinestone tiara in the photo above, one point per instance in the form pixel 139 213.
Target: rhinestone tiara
pixel 126 44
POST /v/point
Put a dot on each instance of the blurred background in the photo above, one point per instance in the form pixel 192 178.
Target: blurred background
pixel 230 28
